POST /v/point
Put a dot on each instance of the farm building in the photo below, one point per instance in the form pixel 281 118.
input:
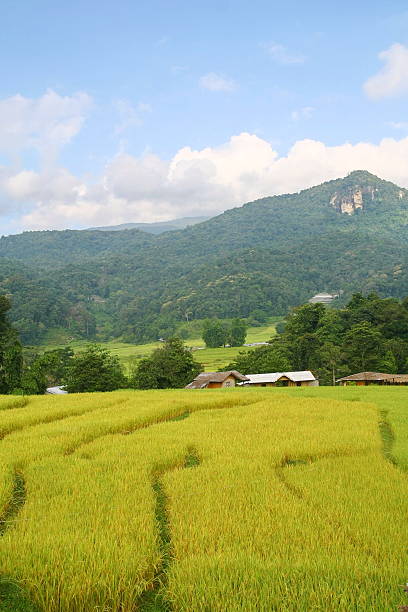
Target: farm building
pixel 373 378
pixel 283 379
pixel 214 380
pixel 55 391
pixel 323 298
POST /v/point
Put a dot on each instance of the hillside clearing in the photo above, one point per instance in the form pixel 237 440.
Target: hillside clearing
pixel 212 359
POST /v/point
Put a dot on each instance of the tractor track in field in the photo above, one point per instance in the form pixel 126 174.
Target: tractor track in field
pixel 153 599
pixel 388 438
pixel 183 412
pixel 15 504
pixel 55 419
pixel 12 593
pixel 330 520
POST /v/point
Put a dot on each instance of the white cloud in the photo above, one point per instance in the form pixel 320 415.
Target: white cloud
pixel 302 113
pixel 392 79
pixel 130 115
pixel 195 182
pixel 216 82
pixel 44 124
pixel 398 125
pixel 280 54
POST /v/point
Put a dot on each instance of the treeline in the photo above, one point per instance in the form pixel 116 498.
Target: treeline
pixel 368 334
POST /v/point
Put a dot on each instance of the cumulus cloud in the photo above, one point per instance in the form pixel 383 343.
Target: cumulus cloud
pixel 130 115
pixel 217 82
pixel 392 79
pixel 399 125
pixel 195 182
pixel 302 113
pixel 281 55
pixel 44 124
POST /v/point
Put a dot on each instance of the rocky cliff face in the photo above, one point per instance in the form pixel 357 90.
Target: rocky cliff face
pixel 349 203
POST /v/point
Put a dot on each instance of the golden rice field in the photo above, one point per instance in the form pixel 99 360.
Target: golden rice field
pixel 281 500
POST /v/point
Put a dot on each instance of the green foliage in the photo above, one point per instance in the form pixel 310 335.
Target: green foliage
pixel 237 332
pixel 369 334
pixel 273 357
pixel 11 360
pixel 215 333
pixel 172 366
pixel 94 369
pixel 218 333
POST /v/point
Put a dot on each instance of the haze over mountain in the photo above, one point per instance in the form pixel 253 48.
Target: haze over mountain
pixel 154 228
pixel 262 257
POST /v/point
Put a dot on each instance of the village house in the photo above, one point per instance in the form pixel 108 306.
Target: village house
pixel 373 378
pixel 216 380
pixel 303 378
pixel 55 391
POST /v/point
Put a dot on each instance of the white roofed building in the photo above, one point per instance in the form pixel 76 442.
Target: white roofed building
pixel 304 378
pixel 55 391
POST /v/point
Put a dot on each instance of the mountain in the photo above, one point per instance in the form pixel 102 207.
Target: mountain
pixel 260 258
pixel 154 228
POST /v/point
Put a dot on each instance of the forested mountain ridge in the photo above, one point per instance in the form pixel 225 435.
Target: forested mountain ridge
pixel 52 247
pixel 267 256
pixel 155 228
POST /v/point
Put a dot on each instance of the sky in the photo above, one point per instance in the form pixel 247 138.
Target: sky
pixel 141 111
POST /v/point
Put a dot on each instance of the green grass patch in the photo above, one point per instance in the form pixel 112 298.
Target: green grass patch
pixel 212 359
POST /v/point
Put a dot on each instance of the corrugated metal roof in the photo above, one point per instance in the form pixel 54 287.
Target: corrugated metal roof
pixel 272 377
pixel 56 391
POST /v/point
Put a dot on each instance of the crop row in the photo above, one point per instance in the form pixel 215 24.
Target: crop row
pixel 279 515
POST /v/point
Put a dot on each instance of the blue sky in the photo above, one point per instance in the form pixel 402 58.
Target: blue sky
pixel 140 111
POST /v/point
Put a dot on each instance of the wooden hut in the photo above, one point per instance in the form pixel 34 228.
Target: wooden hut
pixel 216 380
pixel 369 378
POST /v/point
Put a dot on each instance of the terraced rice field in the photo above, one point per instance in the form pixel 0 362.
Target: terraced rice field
pixel 235 500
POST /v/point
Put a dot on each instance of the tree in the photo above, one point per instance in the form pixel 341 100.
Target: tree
pixel 171 366
pixel 238 332
pixel 363 346
pixel 273 357
pixel 55 364
pixel 94 369
pixel 11 360
pixel 33 379
pixel 214 333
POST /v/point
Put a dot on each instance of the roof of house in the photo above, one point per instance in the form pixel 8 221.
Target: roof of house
pixel 400 377
pixel 205 378
pixel 272 377
pixel 56 391
pixel 369 376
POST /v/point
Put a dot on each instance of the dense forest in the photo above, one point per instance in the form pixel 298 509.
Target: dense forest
pixel 368 334
pixel 262 258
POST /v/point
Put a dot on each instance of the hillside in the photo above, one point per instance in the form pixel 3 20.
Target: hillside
pixel 264 256
pixel 155 228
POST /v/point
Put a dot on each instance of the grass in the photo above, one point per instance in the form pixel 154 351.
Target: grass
pixel 277 513
pixel 212 359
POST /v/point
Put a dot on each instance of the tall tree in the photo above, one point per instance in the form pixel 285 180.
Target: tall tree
pixel 94 369
pixel 11 360
pixel 215 333
pixel 363 345
pixel 171 366
pixel 237 332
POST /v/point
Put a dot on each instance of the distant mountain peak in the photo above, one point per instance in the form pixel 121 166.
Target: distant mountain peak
pixel 358 189
pixel 362 175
